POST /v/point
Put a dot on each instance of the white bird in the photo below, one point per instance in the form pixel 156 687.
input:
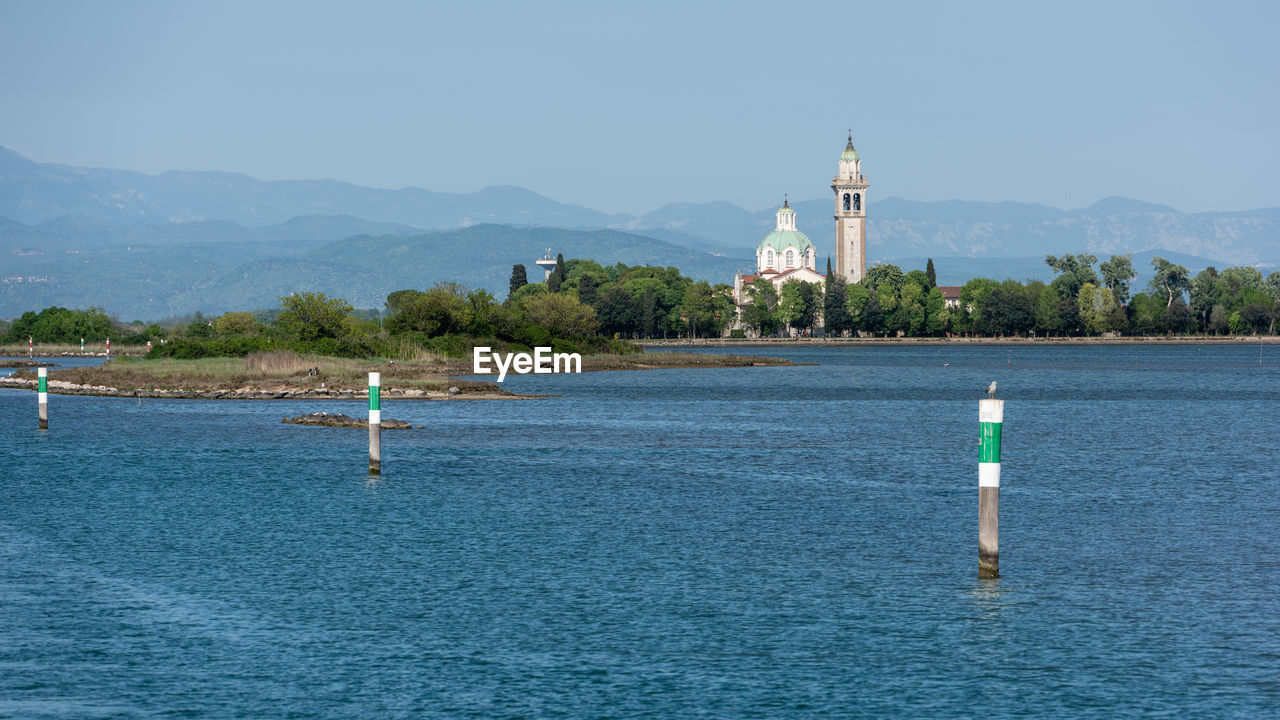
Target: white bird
pixel 991 389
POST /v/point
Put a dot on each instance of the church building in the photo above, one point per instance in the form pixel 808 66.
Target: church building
pixel 786 254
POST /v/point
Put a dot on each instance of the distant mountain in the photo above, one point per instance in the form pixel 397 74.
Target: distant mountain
pixel 32 192
pixel 903 228
pixel 153 271
pixel 156 245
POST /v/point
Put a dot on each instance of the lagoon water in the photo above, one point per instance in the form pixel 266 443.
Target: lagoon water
pixel 792 542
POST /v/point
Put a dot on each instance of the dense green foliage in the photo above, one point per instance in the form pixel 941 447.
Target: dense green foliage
pixel 587 307
pixel 60 325
pixel 1077 303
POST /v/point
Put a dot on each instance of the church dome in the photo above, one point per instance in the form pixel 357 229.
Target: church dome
pixel 780 239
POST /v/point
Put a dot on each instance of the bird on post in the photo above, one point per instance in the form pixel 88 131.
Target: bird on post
pixel 991 389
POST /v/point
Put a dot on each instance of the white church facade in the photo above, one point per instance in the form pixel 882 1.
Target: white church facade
pixel 787 255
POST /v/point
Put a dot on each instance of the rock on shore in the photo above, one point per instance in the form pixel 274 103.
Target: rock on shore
pixel 324 419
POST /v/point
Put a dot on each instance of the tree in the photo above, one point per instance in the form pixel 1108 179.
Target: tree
pixel 615 310
pixel 1169 280
pixel 312 316
pixel 761 312
pixel 886 275
pixel 484 315
pixel 400 298
pixel 835 313
pixel 935 316
pixel 60 325
pixel 856 297
pixel 561 315
pixel 557 277
pixel 587 289
pixel 1006 311
pixel 519 278
pixel 1096 307
pixel 1217 320
pixel 791 305
pixel 1116 274
pixel 1204 294
pixel 872 320
pixel 1073 272
pixel 235 323
pixel 929 273
pixel 1255 317
pixel 799 304
pixel 438 311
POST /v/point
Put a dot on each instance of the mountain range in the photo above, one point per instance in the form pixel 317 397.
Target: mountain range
pixel 148 246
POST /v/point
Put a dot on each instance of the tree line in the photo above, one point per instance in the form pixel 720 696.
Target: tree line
pixel 1081 300
pixel 584 306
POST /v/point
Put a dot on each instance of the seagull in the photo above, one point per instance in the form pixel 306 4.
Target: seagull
pixel 991 389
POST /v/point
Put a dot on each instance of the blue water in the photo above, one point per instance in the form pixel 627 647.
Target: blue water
pixel 743 543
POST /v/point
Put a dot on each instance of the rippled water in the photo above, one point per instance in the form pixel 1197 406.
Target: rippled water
pixel 768 542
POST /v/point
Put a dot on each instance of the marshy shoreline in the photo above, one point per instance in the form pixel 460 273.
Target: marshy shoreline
pixel 288 376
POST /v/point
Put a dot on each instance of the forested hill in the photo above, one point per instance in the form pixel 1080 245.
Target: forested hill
pixel 151 281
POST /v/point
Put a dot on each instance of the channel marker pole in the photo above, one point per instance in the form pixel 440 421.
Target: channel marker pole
pixel 375 423
pixel 42 389
pixel 991 420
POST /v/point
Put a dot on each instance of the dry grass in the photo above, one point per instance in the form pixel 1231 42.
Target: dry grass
pixel 20 349
pixel 277 363
pixel 263 371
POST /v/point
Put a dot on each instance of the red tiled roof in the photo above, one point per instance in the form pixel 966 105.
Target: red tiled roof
pixel 951 292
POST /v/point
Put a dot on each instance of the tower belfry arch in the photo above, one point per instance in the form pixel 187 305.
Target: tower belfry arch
pixel 850 188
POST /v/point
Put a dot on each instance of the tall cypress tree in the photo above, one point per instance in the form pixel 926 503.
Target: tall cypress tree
pixel 929 273
pixel 557 275
pixel 518 279
pixel 835 312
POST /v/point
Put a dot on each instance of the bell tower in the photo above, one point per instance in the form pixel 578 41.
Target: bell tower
pixel 850 187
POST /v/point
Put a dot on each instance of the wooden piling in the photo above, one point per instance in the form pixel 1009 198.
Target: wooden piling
pixel 991 421
pixel 375 423
pixel 42 390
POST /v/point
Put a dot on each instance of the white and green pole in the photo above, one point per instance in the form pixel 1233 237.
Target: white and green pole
pixel 991 420
pixel 375 423
pixel 81 346
pixel 42 390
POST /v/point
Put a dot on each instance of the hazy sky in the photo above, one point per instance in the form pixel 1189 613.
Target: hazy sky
pixel 627 106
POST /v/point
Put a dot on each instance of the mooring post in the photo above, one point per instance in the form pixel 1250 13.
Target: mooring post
pixel 31 347
pixel 375 423
pixel 42 389
pixel 108 347
pixel 990 419
pixel 81 346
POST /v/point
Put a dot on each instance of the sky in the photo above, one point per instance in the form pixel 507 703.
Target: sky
pixel 624 107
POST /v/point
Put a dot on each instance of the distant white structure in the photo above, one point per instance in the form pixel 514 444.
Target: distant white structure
pixel 547 263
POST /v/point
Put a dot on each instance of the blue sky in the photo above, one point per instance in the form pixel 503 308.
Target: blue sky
pixel 627 106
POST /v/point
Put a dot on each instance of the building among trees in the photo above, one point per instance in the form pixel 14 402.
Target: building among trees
pixel 787 255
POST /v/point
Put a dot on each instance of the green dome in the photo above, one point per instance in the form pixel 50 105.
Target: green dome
pixel 780 239
pixel 849 152
pixel 786 210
